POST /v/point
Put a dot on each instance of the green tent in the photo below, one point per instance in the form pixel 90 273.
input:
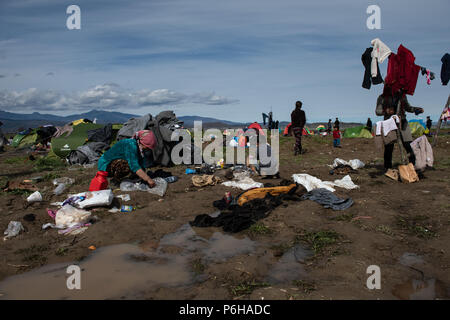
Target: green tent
pixel 28 140
pixel 365 134
pixel 16 140
pixel 357 132
pixel 353 132
pixel 62 145
pixel 416 129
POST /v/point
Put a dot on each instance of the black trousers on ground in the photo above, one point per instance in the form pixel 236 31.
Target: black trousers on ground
pixel 388 149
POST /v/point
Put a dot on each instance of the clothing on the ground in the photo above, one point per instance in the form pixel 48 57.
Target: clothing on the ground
pixel 104 134
pixel 328 199
pixel 379 53
pixel 298 138
pixel 445 69
pixel 402 72
pixel 368 80
pixel 298 118
pixel 423 153
pixel 126 149
pixel 87 153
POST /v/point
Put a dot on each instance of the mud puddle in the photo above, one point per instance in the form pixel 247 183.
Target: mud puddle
pixel 289 266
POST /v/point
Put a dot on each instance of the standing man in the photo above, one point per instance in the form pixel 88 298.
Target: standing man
pixel 369 125
pixel 329 127
pixel 298 120
pixel 336 123
pixel 429 123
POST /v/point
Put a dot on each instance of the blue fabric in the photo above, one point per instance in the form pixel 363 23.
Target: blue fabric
pixel 336 142
pixel 126 149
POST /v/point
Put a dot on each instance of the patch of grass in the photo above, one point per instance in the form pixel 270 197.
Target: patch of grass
pixel 48 163
pixel 281 248
pixel 248 287
pixel 320 139
pixel 259 229
pixel 198 267
pixel 20 192
pixel 35 259
pixel 444 163
pixel 416 226
pixel 319 240
pixel 33 249
pixel 385 229
pixel 307 287
pixel 16 160
pixel 62 251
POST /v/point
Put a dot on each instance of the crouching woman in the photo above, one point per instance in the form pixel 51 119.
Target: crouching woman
pixel 125 156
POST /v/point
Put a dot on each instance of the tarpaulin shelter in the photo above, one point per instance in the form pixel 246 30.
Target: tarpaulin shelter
pixel 357 132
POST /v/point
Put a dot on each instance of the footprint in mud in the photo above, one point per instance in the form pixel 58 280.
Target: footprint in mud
pixel 415 289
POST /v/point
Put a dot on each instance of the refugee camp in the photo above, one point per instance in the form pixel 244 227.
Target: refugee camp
pixel 222 151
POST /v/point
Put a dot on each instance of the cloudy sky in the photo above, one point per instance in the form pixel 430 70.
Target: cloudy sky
pixel 229 59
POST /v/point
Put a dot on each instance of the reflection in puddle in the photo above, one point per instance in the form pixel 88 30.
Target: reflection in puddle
pixel 124 270
pixel 288 267
pixel 410 259
pixel 421 290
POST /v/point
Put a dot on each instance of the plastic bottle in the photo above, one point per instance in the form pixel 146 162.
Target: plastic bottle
pixel 59 189
pixel 171 179
pixel 125 208
pixel 190 171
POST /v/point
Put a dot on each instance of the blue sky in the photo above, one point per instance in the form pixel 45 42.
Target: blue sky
pixel 230 59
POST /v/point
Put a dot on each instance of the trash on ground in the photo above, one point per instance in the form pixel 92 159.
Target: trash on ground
pixel 124 197
pixel 205 180
pixel 244 184
pixel 92 248
pixel 14 228
pixel 35 197
pixel 20 185
pixel 311 182
pixel 171 179
pixel 355 164
pixel 159 189
pixel 114 210
pixel 91 199
pixel 127 208
pixel 190 171
pixel 392 173
pixel 69 216
pixel 64 180
pixel 328 199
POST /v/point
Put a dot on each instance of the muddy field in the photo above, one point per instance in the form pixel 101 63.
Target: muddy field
pixel 300 251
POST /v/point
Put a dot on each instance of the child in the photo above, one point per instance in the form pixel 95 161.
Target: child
pixel 336 137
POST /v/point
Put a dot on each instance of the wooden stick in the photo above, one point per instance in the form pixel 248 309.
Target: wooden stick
pixel 439 123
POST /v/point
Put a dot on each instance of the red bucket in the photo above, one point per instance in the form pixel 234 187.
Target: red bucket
pixel 99 182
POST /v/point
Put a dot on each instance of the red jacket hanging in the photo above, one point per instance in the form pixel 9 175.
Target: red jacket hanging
pixel 402 73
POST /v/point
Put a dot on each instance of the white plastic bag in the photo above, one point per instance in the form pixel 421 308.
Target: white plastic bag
pixel 310 182
pixel 244 184
pixel 346 182
pixel 69 216
pixel 355 163
pixel 159 189
pixel 14 228
pixel 63 180
pixel 94 198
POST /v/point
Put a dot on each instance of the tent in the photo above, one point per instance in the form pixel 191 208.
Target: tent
pixel 357 132
pixel 321 128
pixel 417 129
pixel 63 145
pixel 31 137
pixel 287 131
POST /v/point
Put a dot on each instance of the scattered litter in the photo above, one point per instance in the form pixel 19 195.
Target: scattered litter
pixel 311 182
pixel 91 199
pixel 127 208
pixel 160 200
pixel 328 199
pixel 64 180
pixel 69 216
pixel 190 171
pixel 245 183
pixel 20 185
pixel 92 248
pixel 124 197
pixel 58 204
pixel 159 189
pixel 393 174
pixel 59 189
pixel 35 197
pixel 114 210
pixel 355 164
pixel 171 179
pixel 205 180
pixel 14 228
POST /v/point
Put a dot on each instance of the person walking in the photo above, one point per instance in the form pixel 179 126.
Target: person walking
pixel 298 121
pixel 429 123
pixel 369 125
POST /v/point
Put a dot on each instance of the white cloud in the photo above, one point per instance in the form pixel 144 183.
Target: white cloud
pixel 107 96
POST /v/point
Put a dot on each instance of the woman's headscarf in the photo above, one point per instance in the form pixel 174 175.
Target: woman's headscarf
pixel 146 138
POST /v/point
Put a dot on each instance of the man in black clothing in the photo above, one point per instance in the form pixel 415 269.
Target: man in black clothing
pixel 329 127
pixel 298 121
pixel 369 125
pixel 429 123
pixel 336 123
